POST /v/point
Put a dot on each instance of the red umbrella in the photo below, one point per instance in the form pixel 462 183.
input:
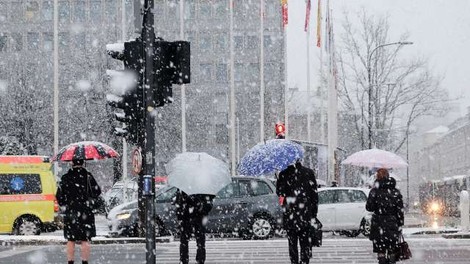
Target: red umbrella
pixel 85 150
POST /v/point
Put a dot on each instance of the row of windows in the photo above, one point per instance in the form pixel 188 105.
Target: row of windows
pixel 248 72
pixel 74 11
pixel 84 10
pixel 40 41
pixel 244 10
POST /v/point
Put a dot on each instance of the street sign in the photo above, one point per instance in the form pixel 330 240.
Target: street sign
pixel 136 161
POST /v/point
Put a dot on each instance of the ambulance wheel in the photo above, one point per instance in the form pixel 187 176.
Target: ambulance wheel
pixel 27 226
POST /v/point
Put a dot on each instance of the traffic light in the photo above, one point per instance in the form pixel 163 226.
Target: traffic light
pixel 172 66
pixel 127 87
pixel 280 130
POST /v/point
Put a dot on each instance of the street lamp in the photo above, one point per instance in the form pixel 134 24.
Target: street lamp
pixel 369 93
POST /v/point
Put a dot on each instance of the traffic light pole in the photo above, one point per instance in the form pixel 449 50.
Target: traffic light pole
pixel 148 146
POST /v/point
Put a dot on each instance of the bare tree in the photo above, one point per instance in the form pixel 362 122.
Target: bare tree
pixel 382 92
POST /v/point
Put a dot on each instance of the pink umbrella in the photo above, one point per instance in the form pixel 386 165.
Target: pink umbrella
pixel 376 158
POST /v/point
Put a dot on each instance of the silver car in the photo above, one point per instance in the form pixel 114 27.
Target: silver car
pixel 248 207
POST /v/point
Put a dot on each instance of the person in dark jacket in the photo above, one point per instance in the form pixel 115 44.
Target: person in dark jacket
pixel 299 187
pixel 191 212
pixel 75 190
pixel 386 202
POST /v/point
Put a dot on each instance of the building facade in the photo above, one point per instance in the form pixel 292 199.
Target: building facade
pixel 86 26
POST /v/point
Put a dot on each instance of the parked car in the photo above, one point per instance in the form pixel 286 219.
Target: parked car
pixel 343 209
pixel 115 195
pixel 248 207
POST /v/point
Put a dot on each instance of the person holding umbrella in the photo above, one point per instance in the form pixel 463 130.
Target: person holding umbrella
pixel 75 191
pixel 386 202
pixel 191 212
pixel 299 187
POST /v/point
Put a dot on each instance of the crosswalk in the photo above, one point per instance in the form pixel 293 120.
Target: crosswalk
pixel 230 251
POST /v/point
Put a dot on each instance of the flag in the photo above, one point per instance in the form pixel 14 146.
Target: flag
pixel 285 17
pixel 319 24
pixel 307 16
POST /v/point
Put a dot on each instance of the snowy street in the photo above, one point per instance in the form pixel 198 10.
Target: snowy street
pixel 334 250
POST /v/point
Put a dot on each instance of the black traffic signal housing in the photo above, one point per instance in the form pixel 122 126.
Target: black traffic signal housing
pixel 280 130
pixel 172 66
pixel 129 96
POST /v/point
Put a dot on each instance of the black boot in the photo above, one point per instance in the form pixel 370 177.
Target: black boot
pixel 70 262
pixel 392 259
pixel 383 260
pixel 84 261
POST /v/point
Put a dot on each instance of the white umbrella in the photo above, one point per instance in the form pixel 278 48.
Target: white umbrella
pixel 376 158
pixel 198 173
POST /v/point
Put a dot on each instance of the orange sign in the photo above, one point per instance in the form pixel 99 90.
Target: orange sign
pixel 136 161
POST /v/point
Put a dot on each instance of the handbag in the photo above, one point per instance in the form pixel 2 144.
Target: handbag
pixel 403 251
pixel 316 233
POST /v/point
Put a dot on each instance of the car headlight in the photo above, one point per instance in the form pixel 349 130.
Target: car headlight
pixel 122 216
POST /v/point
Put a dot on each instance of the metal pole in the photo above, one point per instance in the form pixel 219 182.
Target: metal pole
pixel 148 155
pixel 369 92
pixel 183 87
pixel 309 107
pixel 124 141
pixel 286 108
pixel 407 172
pixel 261 72
pixel 56 84
pixel 232 95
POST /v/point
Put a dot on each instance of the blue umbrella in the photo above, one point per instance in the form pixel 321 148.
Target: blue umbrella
pixel 270 156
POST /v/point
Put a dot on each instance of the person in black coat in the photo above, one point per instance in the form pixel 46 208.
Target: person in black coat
pixel 76 188
pixel 299 187
pixel 191 212
pixel 386 202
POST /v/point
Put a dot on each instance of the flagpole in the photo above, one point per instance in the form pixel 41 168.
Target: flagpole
pixel 284 23
pixel 332 101
pixel 56 84
pixel 232 95
pixel 309 101
pixel 261 71
pixel 183 87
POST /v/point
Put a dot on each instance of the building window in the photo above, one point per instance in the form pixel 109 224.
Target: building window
pixel 205 10
pixel 3 12
pixel 221 73
pixel 206 72
pixel 17 42
pixel 190 10
pixel 79 41
pixel 47 11
pixel 63 41
pixel 252 72
pixel 238 44
pixel 3 42
pixel 205 44
pixel 64 11
pixel 110 10
pixel 221 9
pixel 32 11
pixel 251 43
pixel 33 40
pixel 16 12
pixel 174 10
pixel 239 72
pixel 271 8
pixel 79 11
pixel 48 44
pixel 221 134
pixel 95 11
pixel 221 42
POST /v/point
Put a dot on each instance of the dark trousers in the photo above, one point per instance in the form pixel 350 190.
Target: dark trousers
pixel 187 227
pixel 299 235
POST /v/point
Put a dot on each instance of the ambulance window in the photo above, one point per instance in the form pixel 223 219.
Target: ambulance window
pixel 20 184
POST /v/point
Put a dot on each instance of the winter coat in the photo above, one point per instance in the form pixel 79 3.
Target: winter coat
pixel 192 206
pixel 386 202
pixel 299 187
pixel 73 193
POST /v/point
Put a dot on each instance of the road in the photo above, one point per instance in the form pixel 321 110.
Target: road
pixel 334 250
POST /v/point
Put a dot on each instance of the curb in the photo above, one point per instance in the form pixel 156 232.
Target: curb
pixel 457 236
pixel 18 241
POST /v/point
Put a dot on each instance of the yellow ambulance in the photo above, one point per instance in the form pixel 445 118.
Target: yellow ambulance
pixel 27 195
